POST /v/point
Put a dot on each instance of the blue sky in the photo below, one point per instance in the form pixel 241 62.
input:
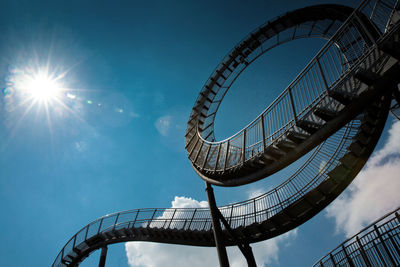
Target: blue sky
pixel 133 69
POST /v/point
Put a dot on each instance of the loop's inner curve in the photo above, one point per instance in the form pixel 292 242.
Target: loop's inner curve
pixel 292 124
pixel 261 83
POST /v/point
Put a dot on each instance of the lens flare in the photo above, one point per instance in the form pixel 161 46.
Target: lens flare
pixel 41 87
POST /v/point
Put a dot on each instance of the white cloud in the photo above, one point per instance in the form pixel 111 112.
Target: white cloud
pixel 374 192
pixel 163 125
pixel 187 202
pixel 155 254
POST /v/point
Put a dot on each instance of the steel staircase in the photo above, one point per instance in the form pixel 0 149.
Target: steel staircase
pixel 299 118
pixel 336 108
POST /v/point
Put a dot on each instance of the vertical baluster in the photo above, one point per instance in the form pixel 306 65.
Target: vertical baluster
pixel 152 217
pixel 334 61
pixel 116 220
pixel 87 230
pixel 292 105
pixel 173 215
pixel 244 147
pixel 263 131
pixel 198 152
pixel 226 154
pixel 363 254
pixel 207 154
pixel 136 216
pixel 384 245
pixel 218 155
pixel 309 91
pixel 191 220
pixel 322 75
pixel 347 256
pixel 101 222
pixel 367 32
pixel 255 210
pixel 332 259
pixel 230 217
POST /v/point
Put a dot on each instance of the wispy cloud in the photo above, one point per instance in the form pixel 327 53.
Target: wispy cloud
pixel 163 125
pixel 155 254
pixel 375 190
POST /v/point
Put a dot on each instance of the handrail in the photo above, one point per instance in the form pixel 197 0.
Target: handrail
pixel 300 87
pixel 239 211
pixel 256 209
pixel 361 242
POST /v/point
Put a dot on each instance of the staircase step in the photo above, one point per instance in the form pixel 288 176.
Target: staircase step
pixel 299 208
pixel 392 49
pixel 370 119
pixel 339 173
pixel 268 225
pixel 367 77
pixel 256 162
pixel 342 98
pixel 368 129
pixel 327 186
pixel 325 114
pixel 315 196
pixel 128 232
pixel 282 218
pixel 349 160
pixel 357 148
pixel 267 159
pixel 274 152
pixel 362 137
pixel 309 126
pixel 297 137
pixel 252 229
pixel 76 250
pixel 68 259
pixel 95 239
pixel 285 145
pixel 109 235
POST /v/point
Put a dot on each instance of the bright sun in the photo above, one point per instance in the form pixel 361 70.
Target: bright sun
pixel 42 87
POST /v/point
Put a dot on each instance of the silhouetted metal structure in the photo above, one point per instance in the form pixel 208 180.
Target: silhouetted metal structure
pixel 336 108
pixel 376 245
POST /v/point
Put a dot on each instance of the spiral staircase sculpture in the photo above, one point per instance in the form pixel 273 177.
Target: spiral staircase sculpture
pixel 336 108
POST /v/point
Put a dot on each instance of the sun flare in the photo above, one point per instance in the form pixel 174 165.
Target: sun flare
pixel 42 87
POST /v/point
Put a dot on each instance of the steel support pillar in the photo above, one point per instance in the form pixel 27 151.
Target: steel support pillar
pixel 242 245
pixel 103 256
pixel 219 242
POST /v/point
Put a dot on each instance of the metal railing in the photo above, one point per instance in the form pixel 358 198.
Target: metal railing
pixel 376 245
pixel 240 214
pixel 328 71
pixel 331 69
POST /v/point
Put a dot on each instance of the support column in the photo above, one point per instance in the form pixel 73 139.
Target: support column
pixel 103 256
pixel 219 242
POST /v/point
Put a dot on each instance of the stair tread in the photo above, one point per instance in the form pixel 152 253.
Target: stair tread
pixel 341 97
pixel 325 114
pixel 309 126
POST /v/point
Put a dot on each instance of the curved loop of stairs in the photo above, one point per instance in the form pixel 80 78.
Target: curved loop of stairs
pixel 300 118
pixel 344 124
pixel 263 217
